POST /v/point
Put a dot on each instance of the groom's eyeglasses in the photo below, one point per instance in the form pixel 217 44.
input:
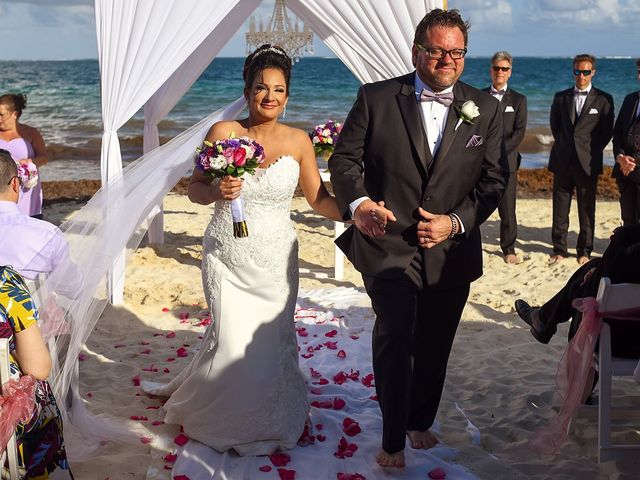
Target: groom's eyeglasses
pixel 500 69
pixel 440 53
pixel 586 73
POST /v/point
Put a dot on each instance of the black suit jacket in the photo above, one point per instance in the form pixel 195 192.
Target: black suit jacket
pixel 584 137
pixel 620 132
pixel 382 153
pixel 514 124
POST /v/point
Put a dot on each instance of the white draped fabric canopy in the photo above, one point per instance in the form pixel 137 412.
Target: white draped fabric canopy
pixel 150 53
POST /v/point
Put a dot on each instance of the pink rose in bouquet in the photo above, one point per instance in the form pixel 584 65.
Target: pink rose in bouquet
pixel 28 173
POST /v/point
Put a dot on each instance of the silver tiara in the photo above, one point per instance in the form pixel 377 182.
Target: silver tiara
pixel 269 49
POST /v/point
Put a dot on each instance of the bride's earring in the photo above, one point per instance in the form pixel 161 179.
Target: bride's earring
pixel 284 111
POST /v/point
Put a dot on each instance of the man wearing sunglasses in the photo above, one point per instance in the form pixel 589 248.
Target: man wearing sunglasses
pixel 626 150
pixel 582 125
pixel 514 125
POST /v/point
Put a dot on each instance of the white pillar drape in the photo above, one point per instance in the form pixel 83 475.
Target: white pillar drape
pixel 373 38
pixel 170 93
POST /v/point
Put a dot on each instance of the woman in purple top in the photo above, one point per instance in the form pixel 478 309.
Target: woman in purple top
pixel 25 145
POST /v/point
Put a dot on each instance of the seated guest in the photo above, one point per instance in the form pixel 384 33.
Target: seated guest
pixel 32 246
pixel 620 263
pixel 41 448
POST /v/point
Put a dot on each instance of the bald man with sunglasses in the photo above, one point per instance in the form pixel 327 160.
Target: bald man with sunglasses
pixel 582 126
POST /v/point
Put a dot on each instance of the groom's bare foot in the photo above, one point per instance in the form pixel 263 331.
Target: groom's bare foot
pixel 423 440
pixel 395 460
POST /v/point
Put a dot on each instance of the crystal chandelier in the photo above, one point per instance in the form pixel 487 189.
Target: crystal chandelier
pixel 280 32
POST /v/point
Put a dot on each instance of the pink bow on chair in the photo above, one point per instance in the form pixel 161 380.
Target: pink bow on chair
pixel 576 371
pixel 16 405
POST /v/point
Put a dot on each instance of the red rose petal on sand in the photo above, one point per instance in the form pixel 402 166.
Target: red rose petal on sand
pixel 181 477
pixel 170 335
pixel 307 355
pixel 265 468
pixel 315 391
pixel 89 394
pixel 279 459
pixel 331 345
pixel 374 398
pixel 145 440
pixel 156 423
pixel 144 342
pixel 146 351
pixel 82 357
pixel 136 380
pixel 350 427
pixel 165 309
pixel 171 359
pixel 331 334
pixel 345 449
pixel 314 373
pixel 152 407
pixel 342 354
pixel 170 457
pixel 338 403
pixel 339 378
pixel 437 473
pixel 354 337
pixel 321 438
pixel 319 426
pixel 286 474
pixel 322 381
pixel 350 476
pixel 302 331
pixel 120 345
pixel 184 315
pixel 182 352
pixel 181 439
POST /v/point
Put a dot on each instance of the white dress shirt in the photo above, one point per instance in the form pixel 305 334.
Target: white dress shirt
pixel 32 247
pixel 578 100
pixel 498 93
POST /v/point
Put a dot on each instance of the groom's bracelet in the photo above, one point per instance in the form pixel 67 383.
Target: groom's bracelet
pixel 454 225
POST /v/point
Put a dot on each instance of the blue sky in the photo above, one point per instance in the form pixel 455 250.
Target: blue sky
pixel 65 29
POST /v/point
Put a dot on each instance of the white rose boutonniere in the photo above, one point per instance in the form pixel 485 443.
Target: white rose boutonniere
pixel 467 112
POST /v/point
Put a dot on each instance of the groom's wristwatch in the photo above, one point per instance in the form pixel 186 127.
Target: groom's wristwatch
pixel 455 227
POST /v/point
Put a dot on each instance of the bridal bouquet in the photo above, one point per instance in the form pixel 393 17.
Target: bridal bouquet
pixel 28 173
pixel 324 137
pixel 233 156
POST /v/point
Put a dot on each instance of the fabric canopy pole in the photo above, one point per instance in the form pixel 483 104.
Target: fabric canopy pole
pixel 139 48
pixel 179 83
pixel 373 38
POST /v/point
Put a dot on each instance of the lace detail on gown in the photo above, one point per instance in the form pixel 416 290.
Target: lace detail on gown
pixel 244 389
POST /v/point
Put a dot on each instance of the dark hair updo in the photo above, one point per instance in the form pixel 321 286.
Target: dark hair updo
pixel 266 56
pixel 16 102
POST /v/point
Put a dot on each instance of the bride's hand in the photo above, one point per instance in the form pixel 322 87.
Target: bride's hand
pixel 230 188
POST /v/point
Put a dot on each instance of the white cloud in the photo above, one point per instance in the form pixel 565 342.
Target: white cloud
pixel 485 14
pixel 601 13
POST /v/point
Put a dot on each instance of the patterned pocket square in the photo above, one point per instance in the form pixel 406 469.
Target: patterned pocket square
pixel 474 141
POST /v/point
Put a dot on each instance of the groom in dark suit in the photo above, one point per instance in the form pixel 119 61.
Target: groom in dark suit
pixel 582 124
pixel 514 126
pixel 419 165
pixel 626 150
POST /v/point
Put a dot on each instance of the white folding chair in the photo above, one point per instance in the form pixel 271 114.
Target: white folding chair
pixel 11 452
pixel 612 297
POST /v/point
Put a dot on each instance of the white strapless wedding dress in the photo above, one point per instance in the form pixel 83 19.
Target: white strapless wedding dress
pixel 244 390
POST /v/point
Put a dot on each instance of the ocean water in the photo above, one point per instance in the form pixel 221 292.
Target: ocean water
pixel 64 102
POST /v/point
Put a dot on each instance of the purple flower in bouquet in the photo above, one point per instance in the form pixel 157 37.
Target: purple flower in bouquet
pixel 325 136
pixel 233 156
pixel 28 173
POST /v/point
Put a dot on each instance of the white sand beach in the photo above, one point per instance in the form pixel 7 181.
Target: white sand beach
pixel 499 387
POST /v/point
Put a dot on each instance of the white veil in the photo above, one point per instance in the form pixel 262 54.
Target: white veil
pixel 106 230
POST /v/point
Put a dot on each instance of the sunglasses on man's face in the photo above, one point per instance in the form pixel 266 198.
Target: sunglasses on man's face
pixel 500 69
pixel 586 73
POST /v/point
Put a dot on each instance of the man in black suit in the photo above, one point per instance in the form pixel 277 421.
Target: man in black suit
pixel 582 124
pixel 620 263
pixel 514 125
pixel 626 150
pixel 418 177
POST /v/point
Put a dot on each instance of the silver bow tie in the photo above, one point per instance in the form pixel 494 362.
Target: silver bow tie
pixel 445 99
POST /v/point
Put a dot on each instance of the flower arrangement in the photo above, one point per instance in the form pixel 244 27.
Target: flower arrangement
pixel 28 173
pixel 234 156
pixel 467 112
pixel 324 138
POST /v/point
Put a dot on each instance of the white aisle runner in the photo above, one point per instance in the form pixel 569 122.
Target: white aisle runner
pixel 334 337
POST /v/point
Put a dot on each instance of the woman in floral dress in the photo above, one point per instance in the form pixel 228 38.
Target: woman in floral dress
pixel 40 443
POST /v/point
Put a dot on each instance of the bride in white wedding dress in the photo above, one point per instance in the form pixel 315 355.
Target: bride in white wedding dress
pixel 244 390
